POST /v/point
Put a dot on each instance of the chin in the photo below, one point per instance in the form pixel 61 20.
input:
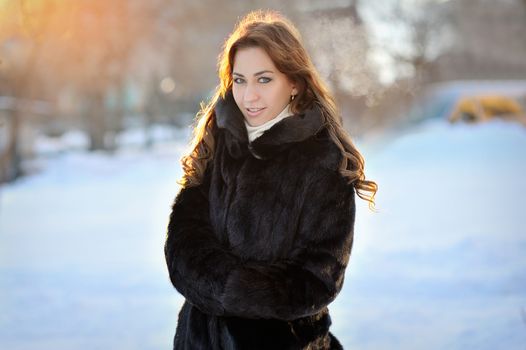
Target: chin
pixel 254 121
pixel 260 120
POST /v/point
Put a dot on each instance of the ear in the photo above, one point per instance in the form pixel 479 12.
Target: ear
pixel 294 90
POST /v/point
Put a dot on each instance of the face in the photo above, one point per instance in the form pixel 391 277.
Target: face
pixel 261 91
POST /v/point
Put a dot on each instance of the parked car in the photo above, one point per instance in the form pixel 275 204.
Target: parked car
pixel 480 108
pixel 471 101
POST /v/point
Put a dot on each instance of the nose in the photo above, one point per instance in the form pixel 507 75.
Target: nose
pixel 251 94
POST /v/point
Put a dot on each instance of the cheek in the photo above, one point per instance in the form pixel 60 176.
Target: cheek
pixel 280 94
pixel 236 91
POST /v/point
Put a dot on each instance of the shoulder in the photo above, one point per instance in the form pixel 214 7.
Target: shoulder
pixel 320 152
pixel 322 160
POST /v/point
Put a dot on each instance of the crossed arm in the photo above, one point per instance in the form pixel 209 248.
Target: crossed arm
pixel 217 282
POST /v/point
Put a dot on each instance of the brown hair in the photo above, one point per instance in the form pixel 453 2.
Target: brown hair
pixel 281 40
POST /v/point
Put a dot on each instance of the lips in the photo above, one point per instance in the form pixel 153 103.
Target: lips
pixel 253 112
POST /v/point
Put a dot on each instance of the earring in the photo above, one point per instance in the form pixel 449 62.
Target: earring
pixel 292 97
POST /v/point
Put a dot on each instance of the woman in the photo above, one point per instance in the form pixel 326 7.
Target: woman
pixel 261 232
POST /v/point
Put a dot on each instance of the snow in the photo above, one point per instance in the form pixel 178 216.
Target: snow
pixel 442 265
pixel 70 140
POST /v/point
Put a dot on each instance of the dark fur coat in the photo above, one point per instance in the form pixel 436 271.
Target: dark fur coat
pixel 260 248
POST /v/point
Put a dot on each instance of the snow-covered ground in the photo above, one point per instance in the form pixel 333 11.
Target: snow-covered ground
pixel 442 265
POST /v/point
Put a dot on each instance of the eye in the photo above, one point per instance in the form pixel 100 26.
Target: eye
pixel 238 80
pixel 264 80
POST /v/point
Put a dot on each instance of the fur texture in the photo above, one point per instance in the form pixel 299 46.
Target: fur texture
pixel 260 248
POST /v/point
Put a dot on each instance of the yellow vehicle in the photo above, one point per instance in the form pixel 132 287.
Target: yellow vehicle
pixel 485 107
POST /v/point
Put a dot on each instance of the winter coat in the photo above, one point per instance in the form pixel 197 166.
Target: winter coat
pixel 260 248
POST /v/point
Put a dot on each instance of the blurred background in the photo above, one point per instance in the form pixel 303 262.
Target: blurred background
pixel 97 100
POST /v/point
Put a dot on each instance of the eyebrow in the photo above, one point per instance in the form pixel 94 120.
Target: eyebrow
pixel 255 74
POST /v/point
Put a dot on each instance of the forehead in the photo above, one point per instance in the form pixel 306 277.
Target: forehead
pixel 252 59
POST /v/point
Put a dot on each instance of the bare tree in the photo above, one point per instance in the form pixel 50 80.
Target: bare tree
pixel 419 32
pixel 488 41
pixel 22 56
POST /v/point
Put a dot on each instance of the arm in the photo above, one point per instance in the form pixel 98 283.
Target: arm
pixel 313 275
pixel 197 263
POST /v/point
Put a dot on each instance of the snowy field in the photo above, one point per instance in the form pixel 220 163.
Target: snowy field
pixel 442 265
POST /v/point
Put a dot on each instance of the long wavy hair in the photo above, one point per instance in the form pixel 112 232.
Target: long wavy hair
pixel 281 40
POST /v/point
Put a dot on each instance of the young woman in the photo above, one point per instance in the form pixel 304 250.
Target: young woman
pixel 261 231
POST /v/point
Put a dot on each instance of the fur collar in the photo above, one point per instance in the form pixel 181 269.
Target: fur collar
pixel 288 131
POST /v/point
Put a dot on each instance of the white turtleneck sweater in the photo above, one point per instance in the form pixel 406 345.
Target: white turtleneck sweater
pixel 256 131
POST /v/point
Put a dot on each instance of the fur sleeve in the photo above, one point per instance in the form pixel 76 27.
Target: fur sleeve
pixel 197 263
pixel 313 274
